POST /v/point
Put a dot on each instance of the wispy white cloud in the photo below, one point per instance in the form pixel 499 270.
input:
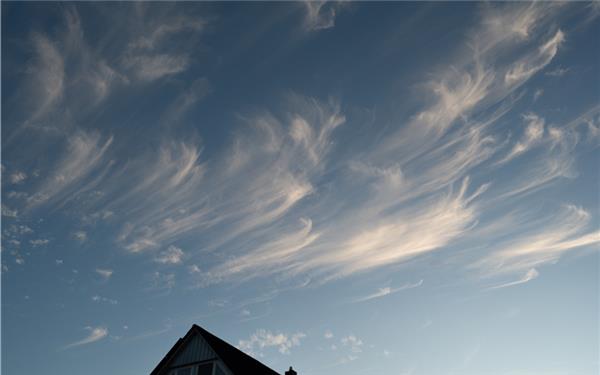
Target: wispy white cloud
pixel 97 298
pixel 63 66
pixel 163 31
pixel 316 142
pixel 588 122
pixel 456 93
pixel 422 163
pixel 17 177
pixel 173 255
pixel 523 69
pixel 80 236
pixel 321 15
pixel 95 217
pixel 102 78
pixel 438 148
pixel 533 135
pixel 354 343
pixel 90 75
pixel 48 76
pixel 303 250
pixel 39 242
pixel 105 273
pixel 542 241
pixel 85 151
pixel 274 201
pixel 528 276
pixel 557 161
pixel 8 212
pixel 268 256
pixel 96 334
pixel 150 68
pixel 171 184
pixel 593 11
pixel 557 72
pixel 244 197
pixel 510 22
pixel 152 55
pixel 394 238
pixel 264 339
pixel 382 292
pixel 507 24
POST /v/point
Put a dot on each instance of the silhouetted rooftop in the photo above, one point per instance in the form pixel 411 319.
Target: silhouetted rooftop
pixel 236 360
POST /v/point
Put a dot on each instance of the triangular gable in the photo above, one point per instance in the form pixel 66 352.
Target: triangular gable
pixel 199 346
pixel 193 351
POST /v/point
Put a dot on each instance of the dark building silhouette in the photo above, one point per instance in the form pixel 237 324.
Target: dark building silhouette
pixel 200 352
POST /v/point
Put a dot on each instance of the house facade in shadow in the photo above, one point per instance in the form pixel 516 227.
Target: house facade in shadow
pixel 200 352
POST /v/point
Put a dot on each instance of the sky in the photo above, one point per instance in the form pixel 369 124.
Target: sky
pixel 346 188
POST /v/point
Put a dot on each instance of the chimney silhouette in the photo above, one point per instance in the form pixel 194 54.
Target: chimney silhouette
pixel 291 371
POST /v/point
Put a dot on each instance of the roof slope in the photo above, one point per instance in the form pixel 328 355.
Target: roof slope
pixel 236 360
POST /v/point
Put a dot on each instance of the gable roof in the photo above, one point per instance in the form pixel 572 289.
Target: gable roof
pixel 236 360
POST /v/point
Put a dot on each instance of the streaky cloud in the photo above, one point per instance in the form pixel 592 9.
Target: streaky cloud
pixel 386 291
pixel 85 152
pixel 321 15
pixel 527 277
pixel 525 68
pixel 531 137
pixel 150 68
pixel 393 238
pixel 153 54
pixel 47 82
pixel 543 241
pixel 105 273
pixel 96 334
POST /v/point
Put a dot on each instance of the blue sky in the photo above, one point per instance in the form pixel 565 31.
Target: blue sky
pixel 348 188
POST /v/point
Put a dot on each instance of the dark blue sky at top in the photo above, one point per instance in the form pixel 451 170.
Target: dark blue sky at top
pixel 349 188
